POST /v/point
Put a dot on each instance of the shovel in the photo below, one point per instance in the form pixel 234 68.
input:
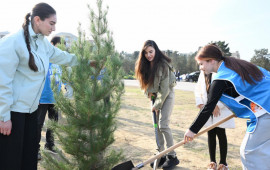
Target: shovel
pixel 156 162
pixel 130 166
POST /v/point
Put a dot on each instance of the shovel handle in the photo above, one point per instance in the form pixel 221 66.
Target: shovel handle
pixel 155 123
pixel 182 142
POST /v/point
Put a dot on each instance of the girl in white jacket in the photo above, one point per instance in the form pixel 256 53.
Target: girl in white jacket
pixel 24 63
pixel 201 90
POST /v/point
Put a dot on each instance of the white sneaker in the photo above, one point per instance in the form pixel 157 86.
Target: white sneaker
pixel 212 166
pixel 222 167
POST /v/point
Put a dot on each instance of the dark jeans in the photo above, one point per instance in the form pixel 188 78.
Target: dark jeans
pixel 18 151
pixel 53 115
pixel 222 138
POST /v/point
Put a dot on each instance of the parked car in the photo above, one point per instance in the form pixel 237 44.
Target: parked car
pixel 193 77
pixel 182 77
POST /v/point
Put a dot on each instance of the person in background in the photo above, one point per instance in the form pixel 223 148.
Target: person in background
pixel 47 101
pixel 244 88
pixel 178 75
pixel 156 76
pixel 201 91
pixel 24 63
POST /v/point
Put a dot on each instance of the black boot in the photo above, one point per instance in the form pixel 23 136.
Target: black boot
pixel 170 163
pixel 161 162
pixel 50 148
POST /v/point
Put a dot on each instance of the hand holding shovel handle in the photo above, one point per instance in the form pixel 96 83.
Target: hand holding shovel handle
pixel 156 161
pixel 129 165
pixel 182 142
pixel 155 122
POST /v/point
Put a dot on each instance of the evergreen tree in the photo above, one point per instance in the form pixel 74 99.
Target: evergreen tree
pixel 224 47
pixel 261 58
pixel 191 63
pixel 182 64
pixel 89 118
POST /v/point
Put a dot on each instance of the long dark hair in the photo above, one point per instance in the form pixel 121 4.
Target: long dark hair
pixel 247 71
pixel 43 11
pixel 143 71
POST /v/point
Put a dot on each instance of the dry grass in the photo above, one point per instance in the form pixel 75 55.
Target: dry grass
pixel 135 133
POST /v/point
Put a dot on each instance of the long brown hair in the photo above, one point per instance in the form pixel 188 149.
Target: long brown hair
pixel 44 11
pixel 247 71
pixel 208 78
pixel 143 71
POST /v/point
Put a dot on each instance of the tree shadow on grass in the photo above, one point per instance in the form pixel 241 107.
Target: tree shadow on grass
pixel 142 128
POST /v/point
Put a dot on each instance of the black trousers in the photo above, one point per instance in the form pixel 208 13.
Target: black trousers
pixel 18 151
pixel 223 146
pixel 53 115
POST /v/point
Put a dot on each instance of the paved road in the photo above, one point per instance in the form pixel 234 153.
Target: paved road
pixel 187 86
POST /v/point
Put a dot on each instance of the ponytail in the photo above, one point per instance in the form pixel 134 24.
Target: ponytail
pixel 248 71
pixel 31 61
pixel 208 78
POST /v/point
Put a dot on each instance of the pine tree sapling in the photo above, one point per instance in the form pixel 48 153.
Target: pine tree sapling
pixel 89 118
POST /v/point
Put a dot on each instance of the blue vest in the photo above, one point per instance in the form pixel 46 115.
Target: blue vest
pixel 54 71
pixel 101 74
pixel 259 94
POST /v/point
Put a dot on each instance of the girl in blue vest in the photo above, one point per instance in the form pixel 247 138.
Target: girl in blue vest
pixel 24 63
pixel 244 88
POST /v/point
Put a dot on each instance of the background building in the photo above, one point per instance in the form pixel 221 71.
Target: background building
pixel 68 37
pixel 236 55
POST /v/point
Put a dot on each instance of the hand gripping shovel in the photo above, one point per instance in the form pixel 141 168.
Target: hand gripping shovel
pixel 156 162
pixel 130 166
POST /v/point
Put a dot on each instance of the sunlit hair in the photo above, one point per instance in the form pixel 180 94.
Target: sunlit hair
pixel 247 71
pixel 143 70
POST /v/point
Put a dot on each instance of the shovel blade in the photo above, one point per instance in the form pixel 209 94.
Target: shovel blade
pixel 124 166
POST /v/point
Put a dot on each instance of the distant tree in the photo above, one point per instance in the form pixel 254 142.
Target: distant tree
pixel 223 46
pixel 181 64
pixel 175 59
pixel 168 52
pixel 179 61
pixel 191 63
pixel 136 55
pixel 260 58
pixel 128 63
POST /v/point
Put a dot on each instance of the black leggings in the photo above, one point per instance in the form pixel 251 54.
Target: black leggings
pixel 53 115
pixel 221 134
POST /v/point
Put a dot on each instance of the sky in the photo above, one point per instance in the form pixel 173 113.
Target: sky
pixel 178 25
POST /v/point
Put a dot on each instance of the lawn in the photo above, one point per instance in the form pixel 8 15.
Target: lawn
pixel 135 132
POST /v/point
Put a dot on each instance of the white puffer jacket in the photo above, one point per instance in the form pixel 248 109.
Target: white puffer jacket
pixel 201 98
